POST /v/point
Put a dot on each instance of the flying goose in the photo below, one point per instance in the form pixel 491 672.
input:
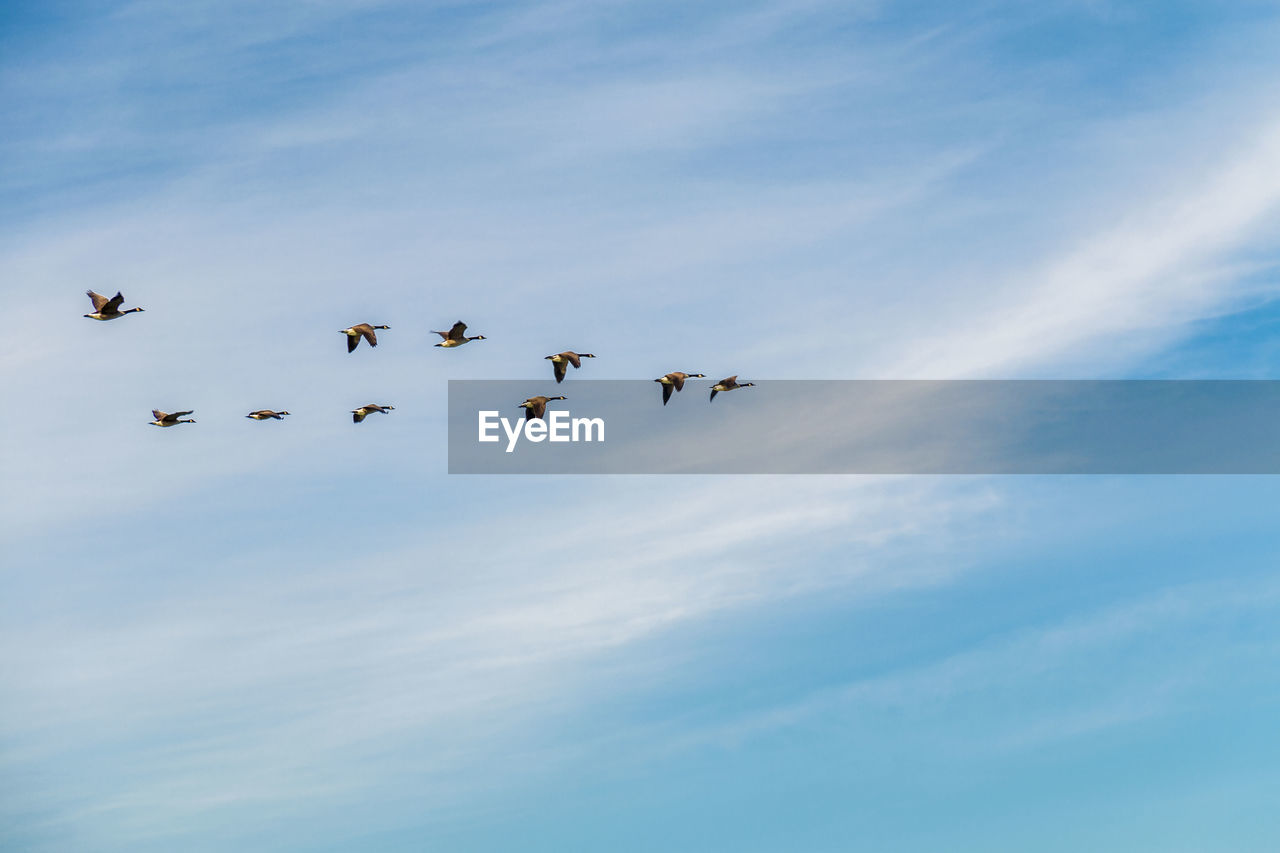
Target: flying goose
pixel 536 407
pixel 361 330
pixel 728 385
pixel 164 419
pixel 357 415
pixel 675 381
pixel 457 336
pixel 560 362
pixel 263 414
pixel 107 309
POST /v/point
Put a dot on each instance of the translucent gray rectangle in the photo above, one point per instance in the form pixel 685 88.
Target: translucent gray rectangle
pixel 880 427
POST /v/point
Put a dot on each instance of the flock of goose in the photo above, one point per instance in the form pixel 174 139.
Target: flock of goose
pixel 534 407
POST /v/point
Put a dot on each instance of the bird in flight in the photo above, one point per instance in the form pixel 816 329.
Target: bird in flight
pixel 357 415
pixel 728 385
pixel 107 309
pixel 361 330
pixel 560 362
pixel 457 336
pixel 165 419
pixel 536 407
pixel 675 382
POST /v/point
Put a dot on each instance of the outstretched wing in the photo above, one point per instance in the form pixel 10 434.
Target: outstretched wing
pixel 180 414
pixel 158 415
pixel 528 413
pixel 353 341
pixel 98 299
pixel 678 379
pixel 713 393
pixel 561 368
pixel 113 304
pixel 666 394
pixel 443 335
pixel 573 359
pixel 368 334
pixel 358 415
pixel 459 329
pixel 732 380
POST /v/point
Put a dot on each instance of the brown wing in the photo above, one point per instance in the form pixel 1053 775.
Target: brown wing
pixel 666 394
pixel 459 329
pixel 678 379
pixel 731 381
pixel 353 341
pixel 158 415
pixel 561 369
pixel 358 415
pixel 573 359
pixel 536 408
pixel 113 304
pixel 713 393
pixel 366 332
pixel 98 300
pixel 180 414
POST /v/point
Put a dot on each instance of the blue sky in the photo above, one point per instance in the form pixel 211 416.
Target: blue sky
pixel 305 636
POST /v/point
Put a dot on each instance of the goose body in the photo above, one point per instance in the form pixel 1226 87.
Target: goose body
pixel 264 414
pixel 536 407
pixel 728 385
pixel 361 330
pixel 675 382
pixel 165 419
pixel 107 309
pixel 457 336
pixel 357 415
pixel 560 362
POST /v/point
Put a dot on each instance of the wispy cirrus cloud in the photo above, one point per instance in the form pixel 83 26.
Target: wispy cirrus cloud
pixel 254 635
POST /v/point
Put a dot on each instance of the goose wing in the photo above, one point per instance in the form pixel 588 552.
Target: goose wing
pixel 113 304
pixel 536 407
pixel 459 329
pixel 97 299
pixel 573 359
pixel 678 379
pixel 560 368
pixel 666 394
pixel 158 415
pixel 366 332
